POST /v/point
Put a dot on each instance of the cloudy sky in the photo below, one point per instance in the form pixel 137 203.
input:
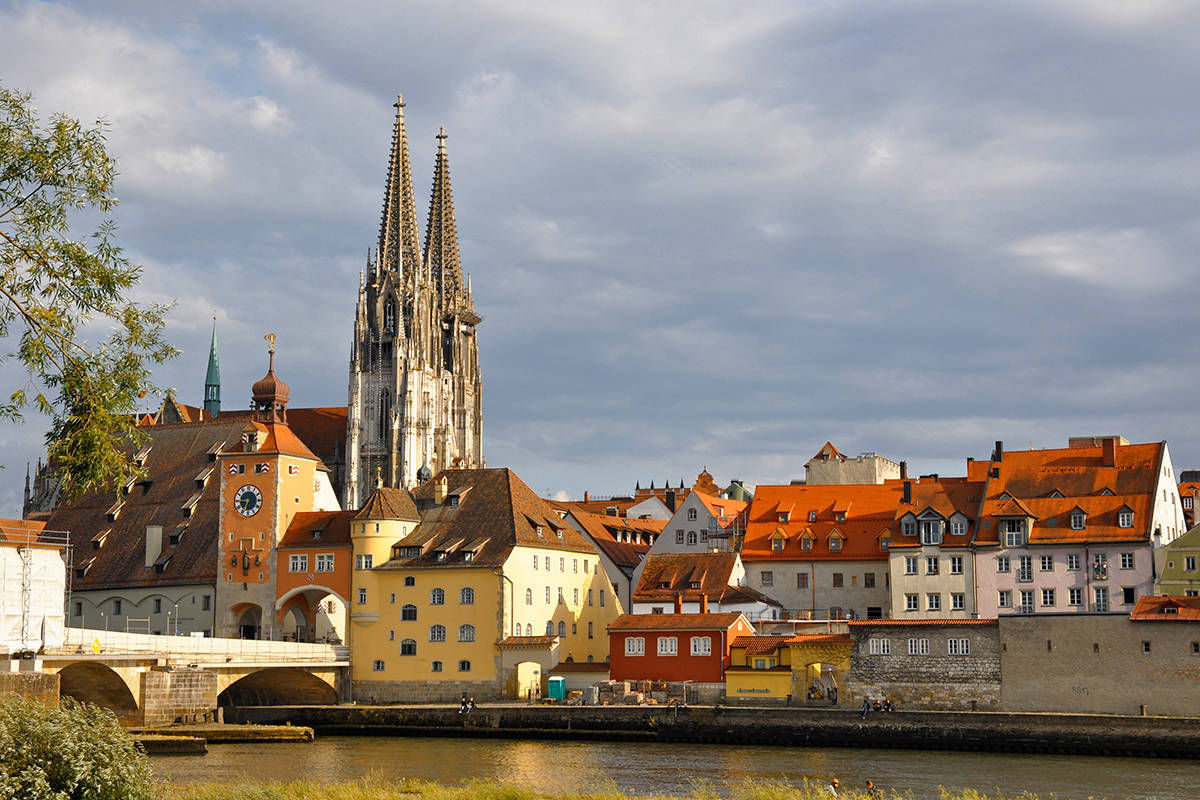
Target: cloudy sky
pixel 701 234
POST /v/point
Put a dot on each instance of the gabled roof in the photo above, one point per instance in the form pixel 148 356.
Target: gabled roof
pixel 603 531
pixel 826 453
pixel 725 511
pixel 21 530
pixel 494 517
pixel 1165 608
pixel 759 645
pixel 945 497
pixel 334 527
pixel 386 503
pixel 712 571
pixel 869 509
pixel 685 622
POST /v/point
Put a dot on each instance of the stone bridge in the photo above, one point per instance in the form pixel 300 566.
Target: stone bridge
pixel 150 680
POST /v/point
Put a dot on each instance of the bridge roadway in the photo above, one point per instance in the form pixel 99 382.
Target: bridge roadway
pixel 150 680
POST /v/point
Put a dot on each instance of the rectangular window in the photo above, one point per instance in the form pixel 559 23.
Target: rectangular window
pixel 801 580
pixel 590 630
pixel 958 527
pixel 679 536
pixel 1101 598
pixel 869 580
pixel 547 594
pixel 1002 564
pixel 78 609
pixel 1047 563
pixel 635 646
pixel 1025 568
pixel 931 565
pixel 298 562
pixel 589 594
pixel 958 647
pixel 158 605
pixel 574 597
pixel 668 646
pixel 206 602
pixel 575 565
pixel 362 596
pixel 880 647
pixel 1075 597
pixel 602 598
pixel 1073 562
pixel 1047 597
pixel 956 565
pixel 918 647
pixel 933 602
pixel 1189 563
pixel 1004 598
pixel 547 563
pixel 958 601
pixel 324 562
pixel 363 561
pixel 1126 560
pixel 910 565
pixel 378 666
pixel 562 565
pixel 535 563
pixel 117 607
pixel 1125 518
pixel 1128 595
pixel 1014 532
pixel 701 645
pixel 767 578
pixel 911 602
pixel 1026 601
pixel 837 580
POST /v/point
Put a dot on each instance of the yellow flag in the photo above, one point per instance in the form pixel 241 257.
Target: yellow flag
pixel 96 645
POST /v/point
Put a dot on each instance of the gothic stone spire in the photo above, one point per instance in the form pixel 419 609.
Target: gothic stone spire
pixel 212 381
pixel 441 236
pixel 399 238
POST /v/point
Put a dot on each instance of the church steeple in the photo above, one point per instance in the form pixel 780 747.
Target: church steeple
pixel 399 237
pixel 441 236
pixel 212 381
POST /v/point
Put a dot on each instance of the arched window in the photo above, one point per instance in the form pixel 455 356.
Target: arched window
pixel 437 633
pixel 466 633
pixel 466 596
pixel 562 629
pixel 409 580
pixel 549 627
pixel 437 597
pixel 464 666
pixel 528 629
pixel 385 407
pixel 517 629
pixel 529 597
pixel 408 647
pixel 389 315
pixel 436 666
pixel 408 612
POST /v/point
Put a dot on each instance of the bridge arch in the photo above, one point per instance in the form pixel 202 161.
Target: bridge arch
pixel 278 686
pixel 97 683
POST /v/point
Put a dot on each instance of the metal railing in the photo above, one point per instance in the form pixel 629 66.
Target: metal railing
pixel 198 648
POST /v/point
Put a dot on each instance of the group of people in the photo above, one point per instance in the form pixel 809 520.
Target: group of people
pixel 884 704
pixel 869 789
pixel 467 705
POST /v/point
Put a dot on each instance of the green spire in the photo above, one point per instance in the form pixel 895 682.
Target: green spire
pixel 212 381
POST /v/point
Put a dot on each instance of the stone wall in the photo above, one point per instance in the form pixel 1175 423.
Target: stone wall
pixel 177 694
pixel 427 691
pixel 934 680
pixel 38 685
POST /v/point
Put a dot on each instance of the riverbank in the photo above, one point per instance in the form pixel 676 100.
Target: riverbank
pixel 1075 734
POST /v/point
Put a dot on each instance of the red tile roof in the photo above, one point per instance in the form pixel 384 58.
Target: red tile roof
pixel 334 527
pixel 387 503
pixel 870 511
pixel 21 530
pixel 821 638
pixel 759 645
pixel 684 573
pixel 945 497
pixel 1165 608
pixel 652 622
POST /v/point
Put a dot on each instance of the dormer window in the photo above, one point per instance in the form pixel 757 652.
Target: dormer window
pixel 468 557
pixel 316 534
pixel 1107 492
pixel 250 441
pixel 909 527
pixel 1056 493
pixel 885 542
pixel 441 556
pixel 777 545
pixel 664 585
pixel 540 533
pixel 1014 532
pixel 931 532
pixel 806 543
pixel 1125 518
pixel 783 516
pixel 558 533
pixel 812 516
pixel 694 585
pixel 835 542
pixel 840 516
pixel 453 502
pixel 1078 520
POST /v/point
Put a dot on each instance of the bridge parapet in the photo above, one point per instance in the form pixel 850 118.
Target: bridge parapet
pixel 195 649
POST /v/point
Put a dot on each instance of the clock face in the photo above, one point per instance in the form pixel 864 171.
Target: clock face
pixel 247 501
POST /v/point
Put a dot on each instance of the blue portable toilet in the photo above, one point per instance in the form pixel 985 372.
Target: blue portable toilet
pixel 556 688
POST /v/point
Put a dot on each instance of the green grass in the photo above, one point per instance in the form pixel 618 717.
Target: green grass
pixel 380 789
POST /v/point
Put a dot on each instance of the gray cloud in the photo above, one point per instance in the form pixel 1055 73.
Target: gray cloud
pixel 700 234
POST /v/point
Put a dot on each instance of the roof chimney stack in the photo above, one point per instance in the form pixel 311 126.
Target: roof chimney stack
pixel 999 454
pixel 586 496
pixel 1108 448
pixel 903 470
pixel 703 603
pixel 907 498
pixel 678 603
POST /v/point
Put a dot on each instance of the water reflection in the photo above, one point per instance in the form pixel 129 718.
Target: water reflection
pixel 643 768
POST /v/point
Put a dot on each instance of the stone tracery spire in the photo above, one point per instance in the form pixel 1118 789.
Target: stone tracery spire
pixel 399 237
pixel 441 235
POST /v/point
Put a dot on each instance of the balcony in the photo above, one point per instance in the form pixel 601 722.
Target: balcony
pixel 1025 575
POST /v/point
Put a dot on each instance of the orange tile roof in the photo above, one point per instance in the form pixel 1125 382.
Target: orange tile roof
pixel 333 525
pixel 759 645
pixel 1166 608
pixel 943 496
pixel 387 503
pixel 652 622
pixel 827 452
pixel 821 638
pixel 725 510
pixel 711 572
pixel 1030 478
pixel 601 529
pixel 21 530
pixel 870 510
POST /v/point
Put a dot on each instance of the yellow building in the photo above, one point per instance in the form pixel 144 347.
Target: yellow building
pixel 805 668
pixel 473 585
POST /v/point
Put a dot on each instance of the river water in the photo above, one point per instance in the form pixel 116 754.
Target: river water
pixel 642 768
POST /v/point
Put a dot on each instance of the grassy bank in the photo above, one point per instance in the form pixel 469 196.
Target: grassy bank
pixel 478 790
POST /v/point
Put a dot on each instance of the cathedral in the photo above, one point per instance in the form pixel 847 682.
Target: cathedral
pixel 414 402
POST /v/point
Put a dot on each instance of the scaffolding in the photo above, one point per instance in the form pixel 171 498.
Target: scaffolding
pixel 34 606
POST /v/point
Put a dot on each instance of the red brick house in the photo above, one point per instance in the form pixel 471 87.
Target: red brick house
pixel 673 647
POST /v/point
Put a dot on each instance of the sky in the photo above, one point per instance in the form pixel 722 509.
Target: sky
pixel 701 234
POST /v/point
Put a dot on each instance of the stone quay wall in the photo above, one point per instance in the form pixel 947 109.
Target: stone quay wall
pixel 1173 737
pixel 177 695
pixel 427 691
pixel 35 685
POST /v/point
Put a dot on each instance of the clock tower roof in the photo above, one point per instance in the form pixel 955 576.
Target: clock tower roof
pixel 269 395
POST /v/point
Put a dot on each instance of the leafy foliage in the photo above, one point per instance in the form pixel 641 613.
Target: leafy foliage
pixel 75 752
pixel 54 288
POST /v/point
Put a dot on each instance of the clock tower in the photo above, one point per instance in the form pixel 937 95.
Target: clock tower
pixel 269 477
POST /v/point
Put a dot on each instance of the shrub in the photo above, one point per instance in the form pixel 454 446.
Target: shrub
pixel 75 752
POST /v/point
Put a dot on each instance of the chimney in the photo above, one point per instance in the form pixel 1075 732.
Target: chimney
pixel 1108 447
pixel 669 500
pixel 906 499
pixel 903 470
pixel 678 603
pixel 586 497
pixel 999 454
pixel 154 539
pixel 703 603
pixel 440 490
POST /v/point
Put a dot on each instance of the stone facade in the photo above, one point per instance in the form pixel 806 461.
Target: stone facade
pixel 37 685
pixel 171 695
pixel 937 676
pixel 370 692
pixel 830 466
pixel 1099 663
pixel 415 388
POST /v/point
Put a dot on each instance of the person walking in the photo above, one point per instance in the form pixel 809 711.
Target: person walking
pixel 866 708
pixel 832 787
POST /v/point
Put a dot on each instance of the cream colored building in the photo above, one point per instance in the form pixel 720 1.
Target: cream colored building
pixel 830 466
pixel 478 588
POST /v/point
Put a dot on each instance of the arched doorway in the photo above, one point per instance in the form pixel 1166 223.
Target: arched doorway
pixel 278 686
pixel 249 622
pixel 312 613
pixel 295 624
pixel 823 683
pixel 529 679
pixel 92 682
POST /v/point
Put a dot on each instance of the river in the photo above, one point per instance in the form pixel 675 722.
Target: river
pixel 642 768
